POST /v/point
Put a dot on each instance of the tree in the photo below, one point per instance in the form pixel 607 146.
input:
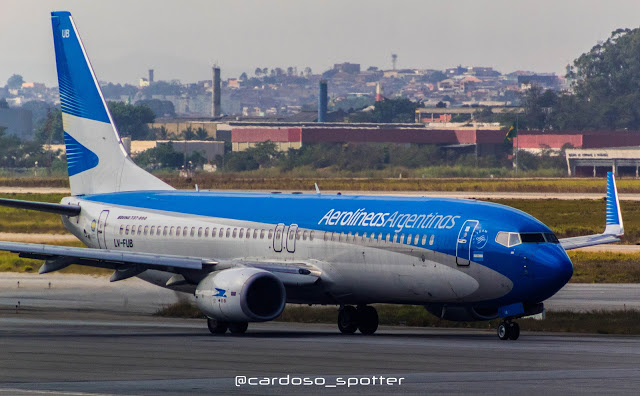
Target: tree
pixel 131 120
pixel 49 129
pixel 202 134
pixel 258 72
pixel 390 110
pixel 244 77
pixel 160 108
pixel 15 81
pixel 38 108
pixel 441 105
pixel 607 82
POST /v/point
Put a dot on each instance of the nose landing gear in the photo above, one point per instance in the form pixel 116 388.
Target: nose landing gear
pixel 508 330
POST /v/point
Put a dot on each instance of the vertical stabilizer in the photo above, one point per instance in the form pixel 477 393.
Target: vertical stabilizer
pixel 97 160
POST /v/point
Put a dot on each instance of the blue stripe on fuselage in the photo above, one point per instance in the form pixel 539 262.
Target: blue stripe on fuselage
pixel 320 212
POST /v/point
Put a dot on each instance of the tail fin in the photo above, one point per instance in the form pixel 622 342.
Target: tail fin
pixel 97 161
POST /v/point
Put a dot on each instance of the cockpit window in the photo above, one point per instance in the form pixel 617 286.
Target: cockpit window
pixel 508 239
pixel 532 237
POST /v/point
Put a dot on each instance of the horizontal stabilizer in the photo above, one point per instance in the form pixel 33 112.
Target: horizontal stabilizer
pixel 65 210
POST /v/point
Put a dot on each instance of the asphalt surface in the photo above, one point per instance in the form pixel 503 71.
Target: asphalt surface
pixel 85 335
pixel 134 356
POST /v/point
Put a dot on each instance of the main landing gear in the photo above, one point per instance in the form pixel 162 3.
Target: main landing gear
pixel 508 330
pixel 220 327
pixel 363 318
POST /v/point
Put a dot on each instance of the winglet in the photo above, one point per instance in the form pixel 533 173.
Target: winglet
pixel 614 216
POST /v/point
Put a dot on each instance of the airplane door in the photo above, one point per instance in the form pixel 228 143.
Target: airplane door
pixel 277 238
pixel 102 223
pixel 463 245
pixel 291 238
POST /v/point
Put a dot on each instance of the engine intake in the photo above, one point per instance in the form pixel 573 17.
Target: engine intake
pixel 241 295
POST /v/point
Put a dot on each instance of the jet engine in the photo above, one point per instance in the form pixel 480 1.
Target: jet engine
pixel 241 295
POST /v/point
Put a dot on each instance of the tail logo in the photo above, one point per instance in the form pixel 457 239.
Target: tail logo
pixel 79 158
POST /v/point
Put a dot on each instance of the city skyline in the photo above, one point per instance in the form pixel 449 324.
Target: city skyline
pixel 124 39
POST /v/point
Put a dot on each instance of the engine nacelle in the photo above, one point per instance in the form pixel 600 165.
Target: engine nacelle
pixel 241 295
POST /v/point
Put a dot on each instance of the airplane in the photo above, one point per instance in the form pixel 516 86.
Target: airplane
pixel 245 255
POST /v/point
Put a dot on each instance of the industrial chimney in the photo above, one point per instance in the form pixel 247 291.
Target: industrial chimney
pixel 215 93
pixel 150 76
pixel 379 94
pixel 322 101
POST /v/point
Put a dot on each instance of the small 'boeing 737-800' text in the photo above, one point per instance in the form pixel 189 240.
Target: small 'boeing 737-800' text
pixel 245 255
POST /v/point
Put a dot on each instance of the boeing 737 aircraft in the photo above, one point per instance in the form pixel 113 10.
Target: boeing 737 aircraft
pixel 245 255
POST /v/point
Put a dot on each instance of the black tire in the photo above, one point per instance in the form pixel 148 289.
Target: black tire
pixel 238 327
pixel 348 320
pixel 503 331
pixel 514 331
pixel 216 326
pixel 367 320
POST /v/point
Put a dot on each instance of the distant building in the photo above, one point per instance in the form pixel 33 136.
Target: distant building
pixel 17 122
pixel 346 67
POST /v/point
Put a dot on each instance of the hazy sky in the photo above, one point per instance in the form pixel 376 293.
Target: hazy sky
pixel 181 39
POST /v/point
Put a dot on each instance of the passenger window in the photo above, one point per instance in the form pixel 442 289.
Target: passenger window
pixel 165 230
pixel 153 230
pixel 206 232
pixel 214 231
pixel 255 234
pixel 199 232
pixel 379 237
pixel 431 240
pixel 304 236
pixel 171 231
pixel 261 234
pixel 415 239
pixel 146 230
pixel 193 231
pixel 298 235
pixel 121 229
pixel 311 235
pixel 409 239
pixel 221 234
pixel 401 238
pixel 292 235
pixel 388 239
pixel 248 234
pixel 270 234
pixel 126 230
pixel 424 240
pixel 178 231
pixel 395 238
pixel 228 232
pixel 514 239
pixel 364 236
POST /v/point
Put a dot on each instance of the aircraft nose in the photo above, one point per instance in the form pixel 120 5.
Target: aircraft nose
pixel 554 270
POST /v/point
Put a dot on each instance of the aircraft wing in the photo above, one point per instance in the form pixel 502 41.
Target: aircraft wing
pixel 128 264
pixel 125 264
pixel 614 228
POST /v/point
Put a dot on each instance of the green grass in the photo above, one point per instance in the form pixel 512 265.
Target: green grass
pixel 11 262
pixel 594 322
pixel 30 221
pixel 605 267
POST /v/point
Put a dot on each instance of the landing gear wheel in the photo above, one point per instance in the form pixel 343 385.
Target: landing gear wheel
pixel 368 319
pixel 503 331
pixel 514 331
pixel 216 326
pixel 238 327
pixel 348 320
